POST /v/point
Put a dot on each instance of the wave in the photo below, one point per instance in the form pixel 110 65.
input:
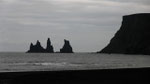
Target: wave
pixel 48 64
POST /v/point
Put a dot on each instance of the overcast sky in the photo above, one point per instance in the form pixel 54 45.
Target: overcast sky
pixel 88 24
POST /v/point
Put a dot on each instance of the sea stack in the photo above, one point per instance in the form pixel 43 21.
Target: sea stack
pixel 66 48
pixel 133 36
pixel 37 48
pixel 49 48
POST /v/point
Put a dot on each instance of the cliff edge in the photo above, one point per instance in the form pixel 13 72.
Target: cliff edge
pixel 133 36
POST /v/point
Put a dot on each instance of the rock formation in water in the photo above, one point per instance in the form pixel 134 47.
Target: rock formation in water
pixel 49 47
pixel 66 48
pixel 133 36
pixel 37 48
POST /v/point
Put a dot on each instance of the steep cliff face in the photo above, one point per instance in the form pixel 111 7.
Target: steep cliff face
pixel 37 48
pixel 133 36
pixel 66 48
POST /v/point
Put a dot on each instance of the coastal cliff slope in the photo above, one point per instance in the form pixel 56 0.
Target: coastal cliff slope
pixel 133 37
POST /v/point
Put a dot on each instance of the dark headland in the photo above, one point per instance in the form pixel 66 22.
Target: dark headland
pixel 133 36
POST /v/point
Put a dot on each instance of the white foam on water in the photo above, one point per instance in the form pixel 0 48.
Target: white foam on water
pixel 41 61
pixel 47 64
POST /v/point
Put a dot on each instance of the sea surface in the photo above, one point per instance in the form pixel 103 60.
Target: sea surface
pixel 12 62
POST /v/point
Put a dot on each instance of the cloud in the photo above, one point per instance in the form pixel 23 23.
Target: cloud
pixel 145 2
pixel 92 21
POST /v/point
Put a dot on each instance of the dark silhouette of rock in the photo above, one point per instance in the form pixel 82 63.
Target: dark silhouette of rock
pixel 37 48
pixel 49 47
pixel 66 48
pixel 133 36
pixel 31 46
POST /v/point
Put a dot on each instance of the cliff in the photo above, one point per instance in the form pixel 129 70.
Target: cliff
pixel 66 48
pixel 133 36
pixel 37 48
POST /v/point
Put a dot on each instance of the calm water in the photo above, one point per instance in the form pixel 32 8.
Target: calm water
pixel 39 61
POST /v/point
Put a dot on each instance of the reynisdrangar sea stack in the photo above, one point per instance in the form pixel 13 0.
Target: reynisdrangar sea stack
pixel 37 48
pixel 67 48
pixel 133 37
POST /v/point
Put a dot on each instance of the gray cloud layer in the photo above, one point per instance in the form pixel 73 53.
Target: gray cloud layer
pixel 88 24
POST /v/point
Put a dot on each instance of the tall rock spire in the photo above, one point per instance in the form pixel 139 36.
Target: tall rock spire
pixel 48 43
pixel 49 47
pixel 66 48
pixel 31 46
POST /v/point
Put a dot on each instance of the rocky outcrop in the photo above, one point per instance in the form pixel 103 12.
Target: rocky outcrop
pixel 133 36
pixel 66 48
pixel 37 48
pixel 49 47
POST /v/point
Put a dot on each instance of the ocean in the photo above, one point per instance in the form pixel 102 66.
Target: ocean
pixel 14 62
